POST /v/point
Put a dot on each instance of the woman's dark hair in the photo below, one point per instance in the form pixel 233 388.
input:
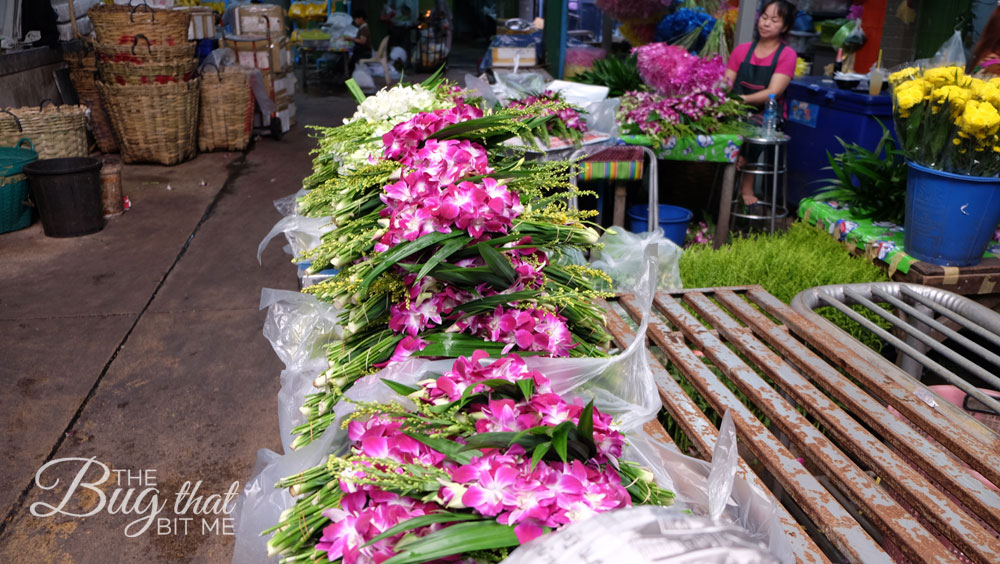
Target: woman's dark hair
pixel 989 41
pixel 359 13
pixel 786 10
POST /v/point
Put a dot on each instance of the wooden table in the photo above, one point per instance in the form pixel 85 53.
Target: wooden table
pixel 868 470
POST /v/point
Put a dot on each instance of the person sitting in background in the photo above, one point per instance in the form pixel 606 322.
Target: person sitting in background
pixel 763 67
pixel 986 53
pixel 362 41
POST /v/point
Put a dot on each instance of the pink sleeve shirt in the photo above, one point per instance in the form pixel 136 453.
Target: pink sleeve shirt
pixel 786 62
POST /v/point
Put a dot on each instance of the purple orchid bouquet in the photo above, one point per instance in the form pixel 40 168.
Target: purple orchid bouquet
pixel 688 98
pixel 486 458
pixel 568 124
pixel 446 245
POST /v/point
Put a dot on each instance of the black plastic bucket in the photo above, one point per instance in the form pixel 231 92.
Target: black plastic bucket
pixel 68 195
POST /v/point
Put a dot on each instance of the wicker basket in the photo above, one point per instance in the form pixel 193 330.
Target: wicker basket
pixel 181 70
pixel 141 54
pixel 100 122
pixel 56 131
pixel 119 25
pixel 226 111
pixel 154 122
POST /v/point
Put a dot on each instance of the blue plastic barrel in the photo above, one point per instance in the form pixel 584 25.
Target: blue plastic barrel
pixel 950 218
pixel 672 219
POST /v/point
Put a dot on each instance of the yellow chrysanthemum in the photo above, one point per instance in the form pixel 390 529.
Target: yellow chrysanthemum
pixel 979 119
pixel 905 74
pixel 994 81
pixel 941 76
pixel 955 96
pixel 988 93
pixel 908 96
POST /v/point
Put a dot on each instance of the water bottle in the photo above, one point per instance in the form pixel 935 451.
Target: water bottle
pixel 770 117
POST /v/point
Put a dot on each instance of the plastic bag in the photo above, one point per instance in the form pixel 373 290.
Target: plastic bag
pixel 952 52
pixel 621 257
pixel 482 89
pixel 303 233
pixel 297 326
pixel 644 535
pixel 600 116
pixel 519 84
pixel 364 79
pixel 288 205
pixel 712 489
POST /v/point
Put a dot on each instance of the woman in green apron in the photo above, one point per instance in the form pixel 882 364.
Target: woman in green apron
pixel 763 67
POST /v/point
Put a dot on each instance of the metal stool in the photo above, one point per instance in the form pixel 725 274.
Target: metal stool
pixel 773 167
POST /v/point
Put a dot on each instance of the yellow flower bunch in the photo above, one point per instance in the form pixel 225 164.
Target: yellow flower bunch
pixel 979 119
pixel 962 139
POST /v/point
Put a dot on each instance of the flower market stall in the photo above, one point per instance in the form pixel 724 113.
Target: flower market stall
pixel 460 382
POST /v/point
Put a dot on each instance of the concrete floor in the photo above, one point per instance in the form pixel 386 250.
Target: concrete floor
pixel 140 346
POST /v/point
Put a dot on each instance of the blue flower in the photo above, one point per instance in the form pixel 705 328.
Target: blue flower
pixel 674 26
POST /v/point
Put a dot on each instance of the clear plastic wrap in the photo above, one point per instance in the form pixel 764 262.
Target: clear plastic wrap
pixel 303 233
pixel 297 326
pixel 644 535
pixel 622 254
pixel 289 204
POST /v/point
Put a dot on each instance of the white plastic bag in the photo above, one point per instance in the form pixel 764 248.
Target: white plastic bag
pixel 621 258
pixel 297 326
pixel 364 79
pixel 644 535
pixel 952 52
pixel 303 233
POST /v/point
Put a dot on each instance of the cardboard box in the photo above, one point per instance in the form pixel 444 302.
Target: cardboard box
pixel 202 24
pixel 505 56
pixel 254 19
pixel 253 51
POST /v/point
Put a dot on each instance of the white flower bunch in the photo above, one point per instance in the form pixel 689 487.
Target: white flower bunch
pixel 400 102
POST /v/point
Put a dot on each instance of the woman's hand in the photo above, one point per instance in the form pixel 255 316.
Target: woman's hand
pixel 777 86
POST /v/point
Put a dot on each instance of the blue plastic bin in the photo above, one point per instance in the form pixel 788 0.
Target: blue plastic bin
pixel 818 113
pixel 672 219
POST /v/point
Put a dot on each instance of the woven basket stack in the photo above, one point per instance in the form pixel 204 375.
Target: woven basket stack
pixel 226 109
pixel 83 73
pixel 55 131
pixel 148 80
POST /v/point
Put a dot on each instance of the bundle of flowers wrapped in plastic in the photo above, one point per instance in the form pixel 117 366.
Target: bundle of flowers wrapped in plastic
pixel 345 148
pixel 447 243
pixel 569 124
pixel 688 96
pixel 947 120
pixel 469 464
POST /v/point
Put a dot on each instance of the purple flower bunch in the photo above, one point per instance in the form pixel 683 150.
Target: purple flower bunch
pixel 673 72
pixel 403 140
pixel 505 484
pixel 651 112
pixel 569 116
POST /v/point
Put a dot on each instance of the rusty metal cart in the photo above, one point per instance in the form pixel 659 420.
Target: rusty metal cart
pixel 869 464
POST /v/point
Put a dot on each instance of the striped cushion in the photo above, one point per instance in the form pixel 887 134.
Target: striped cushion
pixel 613 163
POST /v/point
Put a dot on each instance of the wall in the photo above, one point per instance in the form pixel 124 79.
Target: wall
pixel 898 39
pixel 26 77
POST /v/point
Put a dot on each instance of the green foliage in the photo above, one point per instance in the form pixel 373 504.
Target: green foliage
pixel 620 74
pixel 784 264
pixel 872 183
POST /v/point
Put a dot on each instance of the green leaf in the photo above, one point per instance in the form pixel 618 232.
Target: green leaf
pixel 355 90
pixel 454 345
pixel 489 303
pixel 442 254
pixel 498 263
pixel 423 521
pixel 540 451
pixel 560 437
pixel 527 386
pixel 389 258
pixel 401 389
pixel 457 539
pixel 449 448
pixel 586 425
